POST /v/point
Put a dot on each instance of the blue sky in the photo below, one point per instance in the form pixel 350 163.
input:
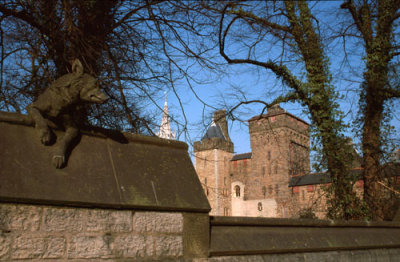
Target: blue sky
pixel 258 83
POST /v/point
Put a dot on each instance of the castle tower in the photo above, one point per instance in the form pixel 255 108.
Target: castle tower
pixel 280 150
pixel 165 127
pixel 212 156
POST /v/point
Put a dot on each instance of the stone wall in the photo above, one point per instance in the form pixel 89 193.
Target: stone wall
pixel 240 239
pixel 280 145
pixel 212 167
pixel 30 232
pixel 121 197
pixel 383 255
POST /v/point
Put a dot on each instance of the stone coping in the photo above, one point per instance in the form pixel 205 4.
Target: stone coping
pixel 105 169
pixel 289 222
pixel 249 236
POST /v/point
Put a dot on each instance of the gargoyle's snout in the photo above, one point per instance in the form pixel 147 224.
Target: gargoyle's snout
pixel 99 97
pixel 94 96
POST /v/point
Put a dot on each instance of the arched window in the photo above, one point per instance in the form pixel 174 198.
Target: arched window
pixel 264 190
pixel 237 191
pixel 259 206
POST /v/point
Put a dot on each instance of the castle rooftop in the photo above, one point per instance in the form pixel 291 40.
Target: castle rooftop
pixel 276 110
pixel 214 131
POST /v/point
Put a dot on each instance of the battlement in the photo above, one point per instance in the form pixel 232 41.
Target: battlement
pixel 213 143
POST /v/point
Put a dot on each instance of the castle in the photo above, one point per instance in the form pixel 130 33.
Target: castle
pixel 271 181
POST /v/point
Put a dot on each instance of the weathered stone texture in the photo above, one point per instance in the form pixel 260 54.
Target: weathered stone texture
pixel 109 221
pixel 36 233
pixel 90 247
pixel 63 219
pixel 168 246
pixel 55 247
pixel 20 217
pixel 32 246
pixel 28 247
pixel 5 244
pixel 133 246
pixel 157 222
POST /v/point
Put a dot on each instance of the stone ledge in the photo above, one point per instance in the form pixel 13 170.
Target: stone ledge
pixel 107 170
pixel 287 222
pixel 251 236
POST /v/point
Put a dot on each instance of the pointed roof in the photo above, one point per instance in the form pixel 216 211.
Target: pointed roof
pixel 214 131
pixel 165 126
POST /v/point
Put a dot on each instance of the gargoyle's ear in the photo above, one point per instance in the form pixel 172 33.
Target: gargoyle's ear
pixel 77 67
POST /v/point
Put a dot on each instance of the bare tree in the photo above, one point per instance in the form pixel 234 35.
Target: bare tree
pixel 286 39
pixel 135 48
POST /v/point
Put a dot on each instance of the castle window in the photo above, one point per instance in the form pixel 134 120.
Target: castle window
pixel 263 170
pixel 207 191
pixel 270 189
pixel 226 211
pixel 205 180
pixel 269 155
pixel 224 181
pixel 237 191
pixel 260 206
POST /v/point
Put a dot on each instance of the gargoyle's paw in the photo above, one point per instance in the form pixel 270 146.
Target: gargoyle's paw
pixel 45 136
pixel 58 161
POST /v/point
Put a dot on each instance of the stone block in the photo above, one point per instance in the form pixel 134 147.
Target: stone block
pixel 132 246
pixel 86 247
pixel 5 244
pixel 64 219
pixel 167 246
pixel 20 217
pixel 393 253
pixel 238 259
pixel 28 247
pixel 196 234
pixel 158 222
pixel 55 247
pixel 109 221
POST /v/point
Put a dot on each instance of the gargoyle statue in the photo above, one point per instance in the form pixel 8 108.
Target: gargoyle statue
pixel 60 102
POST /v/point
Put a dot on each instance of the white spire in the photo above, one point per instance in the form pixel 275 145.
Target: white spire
pixel 165 127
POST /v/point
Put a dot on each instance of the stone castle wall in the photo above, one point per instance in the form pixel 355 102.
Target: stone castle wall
pixel 280 150
pixel 212 167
